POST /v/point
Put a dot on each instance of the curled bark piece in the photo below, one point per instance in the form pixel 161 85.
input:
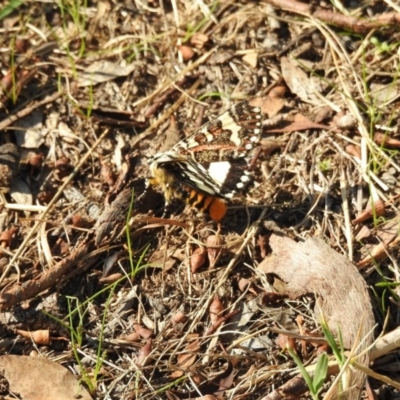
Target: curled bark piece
pixel 342 297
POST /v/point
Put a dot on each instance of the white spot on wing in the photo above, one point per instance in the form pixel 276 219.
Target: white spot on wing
pixel 219 171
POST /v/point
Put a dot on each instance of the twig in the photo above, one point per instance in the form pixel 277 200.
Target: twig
pixel 26 111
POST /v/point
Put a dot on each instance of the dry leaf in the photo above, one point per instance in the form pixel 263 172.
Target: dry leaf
pixel 80 221
pixel 363 233
pixel 132 337
pixel 388 239
pixel 270 105
pixel 251 59
pixel 106 174
pixel 41 337
pixel 187 52
pixel 112 278
pixel 7 236
pixel 178 318
pixel 375 253
pixel 188 358
pixel 353 150
pixel 198 259
pixel 213 253
pixel 143 332
pixel 386 140
pixel 342 296
pixel 103 71
pixel 199 40
pixel 299 82
pixel 277 92
pixel 216 308
pixel 37 378
pixel 143 354
pixel 377 210
pixel 286 342
pixel 302 123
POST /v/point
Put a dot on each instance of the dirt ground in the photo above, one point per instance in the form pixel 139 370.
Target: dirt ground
pixel 106 292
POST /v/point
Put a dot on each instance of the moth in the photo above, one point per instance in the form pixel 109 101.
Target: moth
pixel 211 164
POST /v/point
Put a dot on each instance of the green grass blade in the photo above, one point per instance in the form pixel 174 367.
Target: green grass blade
pixel 10 7
pixel 321 370
pixel 306 376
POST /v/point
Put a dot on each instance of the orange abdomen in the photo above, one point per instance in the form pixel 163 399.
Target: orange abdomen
pixel 217 209
pixel 215 206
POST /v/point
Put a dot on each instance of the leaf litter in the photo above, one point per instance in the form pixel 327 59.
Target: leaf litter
pixel 140 305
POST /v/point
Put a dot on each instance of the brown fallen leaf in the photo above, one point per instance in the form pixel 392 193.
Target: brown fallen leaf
pixel 364 233
pixel 188 357
pixel 389 231
pixel 251 58
pixel 38 378
pixel 300 83
pixel 286 342
pixel 107 175
pixel 198 259
pixel 79 221
pixel 143 355
pixel 289 390
pixel 216 308
pixel 187 52
pixel 386 140
pixel 270 105
pixel 199 40
pixel 213 244
pixel 178 318
pixel 41 337
pixel 342 297
pixel 6 237
pixel 112 278
pixel 377 253
pixel 353 150
pixel 301 123
pixel 62 168
pixel 277 92
pixel 143 332
pixel 388 239
pixel 377 210
pixel 132 337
